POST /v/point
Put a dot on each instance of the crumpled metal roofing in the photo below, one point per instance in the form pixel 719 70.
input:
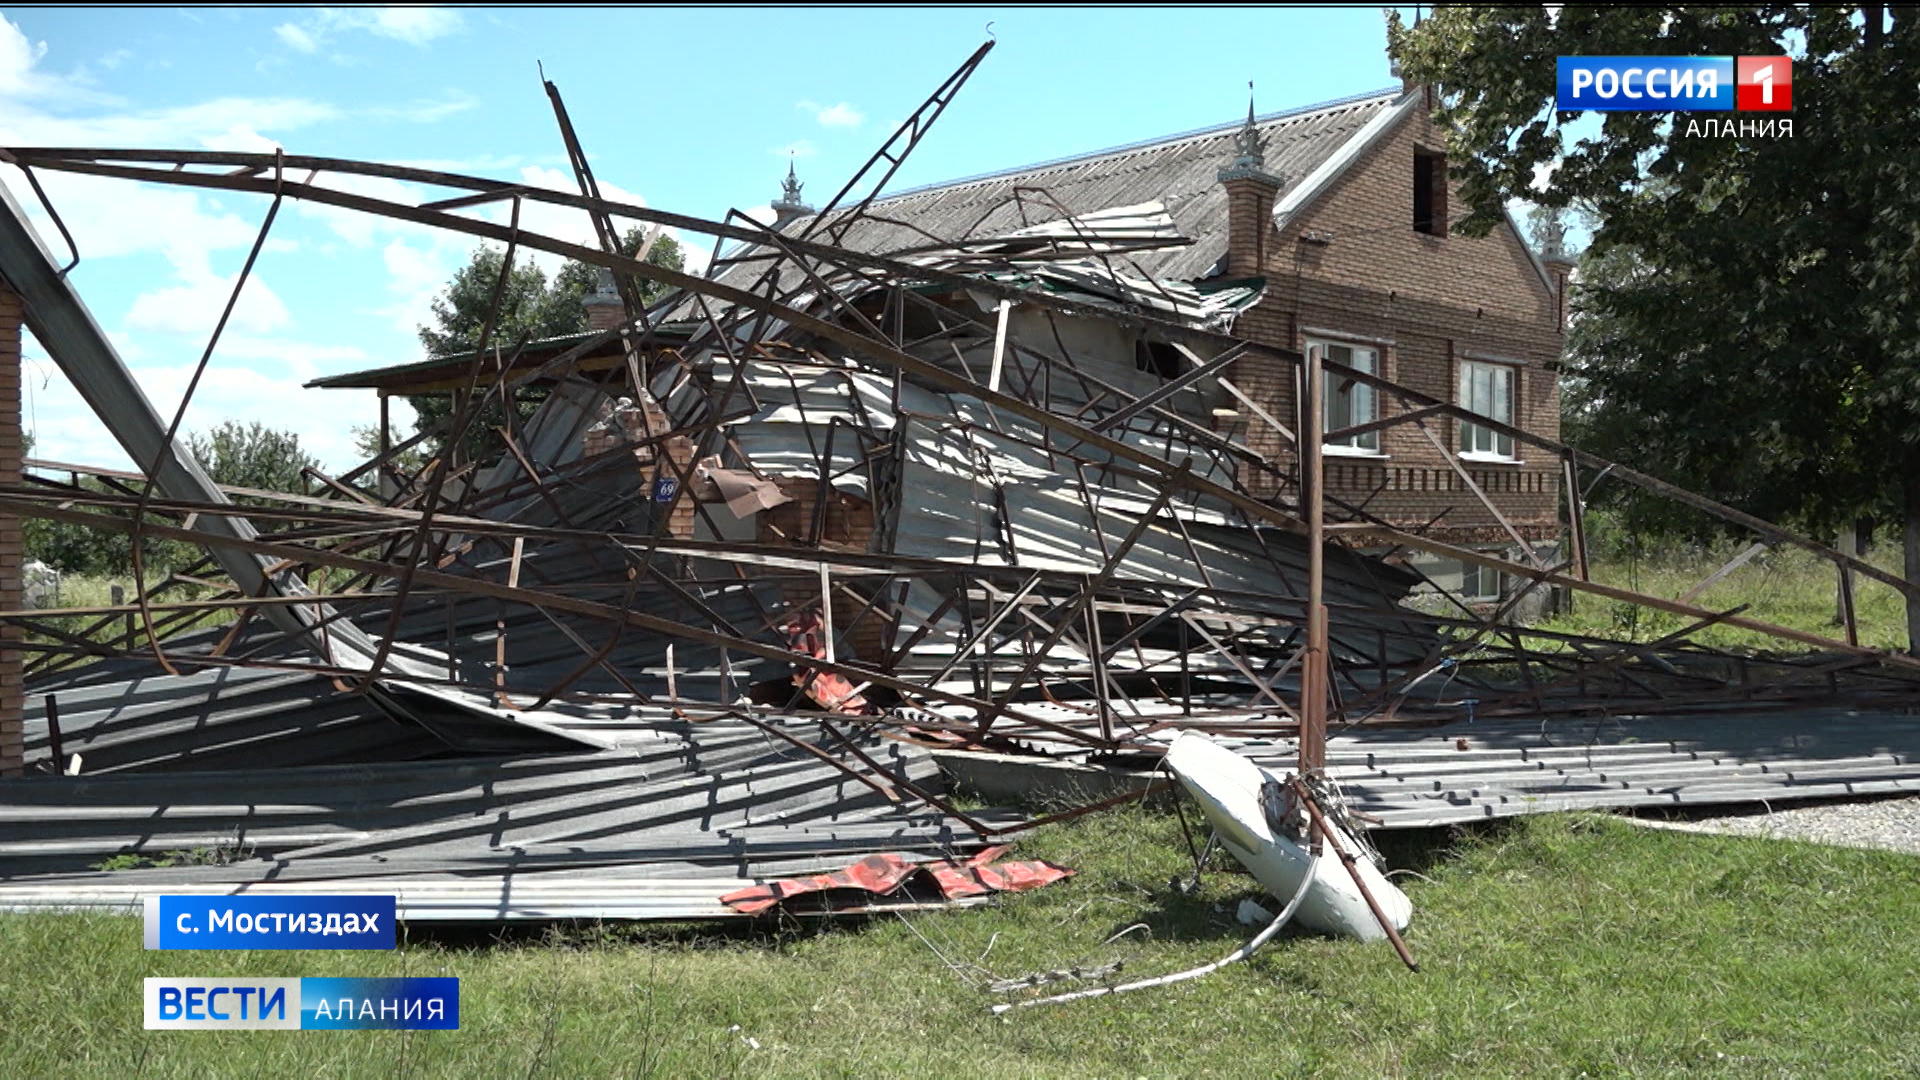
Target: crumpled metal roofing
pixel 1103 282
pixel 990 487
pixel 683 812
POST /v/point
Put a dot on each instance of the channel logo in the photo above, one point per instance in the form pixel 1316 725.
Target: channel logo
pixel 423 1004
pixel 1674 83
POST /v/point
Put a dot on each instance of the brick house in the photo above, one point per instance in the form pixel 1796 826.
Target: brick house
pixel 1340 211
pixel 1335 219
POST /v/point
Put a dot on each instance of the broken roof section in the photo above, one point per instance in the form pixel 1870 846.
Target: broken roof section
pixel 1179 171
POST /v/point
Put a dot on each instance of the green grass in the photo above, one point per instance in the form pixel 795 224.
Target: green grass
pixel 1787 587
pixel 1556 945
pixel 88 591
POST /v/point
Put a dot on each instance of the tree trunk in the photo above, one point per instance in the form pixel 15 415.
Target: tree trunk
pixel 1911 511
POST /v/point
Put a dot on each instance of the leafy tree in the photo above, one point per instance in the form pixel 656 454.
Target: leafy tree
pixel 73 548
pixel 366 442
pixel 248 455
pixel 253 456
pixel 531 308
pixel 1748 325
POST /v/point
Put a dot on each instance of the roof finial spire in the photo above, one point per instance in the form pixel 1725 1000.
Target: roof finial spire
pixel 790 188
pixel 789 206
pixel 1250 149
pixel 1553 239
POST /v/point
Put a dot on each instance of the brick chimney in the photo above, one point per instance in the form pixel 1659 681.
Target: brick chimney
pixel 1251 191
pixel 604 309
pixel 12 543
pixel 1559 264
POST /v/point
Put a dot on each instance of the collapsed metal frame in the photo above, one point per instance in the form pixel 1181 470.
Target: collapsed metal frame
pixel 1247 663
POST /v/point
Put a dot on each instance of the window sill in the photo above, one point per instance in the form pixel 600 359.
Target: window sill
pixel 1478 458
pixel 1360 452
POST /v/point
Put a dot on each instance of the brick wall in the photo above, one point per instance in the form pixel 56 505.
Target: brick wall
pixel 1249 234
pixel 12 548
pixel 632 424
pixel 847 526
pixel 1352 264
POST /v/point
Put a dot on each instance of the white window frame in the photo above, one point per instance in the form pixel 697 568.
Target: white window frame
pixel 1476 574
pixel 1485 398
pixel 1364 398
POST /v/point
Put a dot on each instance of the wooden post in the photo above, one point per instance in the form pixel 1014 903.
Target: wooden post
pixel 1576 516
pixel 999 346
pixel 117 595
pixel 381 482
pixel 826 607
pixel 1313 673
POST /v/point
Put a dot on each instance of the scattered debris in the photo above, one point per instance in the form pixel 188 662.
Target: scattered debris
pixel 884 875
pixel 869 484
pixel 1262 820
pixel 1252 946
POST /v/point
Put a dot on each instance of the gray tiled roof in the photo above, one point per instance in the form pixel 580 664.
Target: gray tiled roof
pixel 1179 171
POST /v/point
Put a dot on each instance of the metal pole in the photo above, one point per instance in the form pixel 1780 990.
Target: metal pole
pixel 1348 859
pixel 1313 673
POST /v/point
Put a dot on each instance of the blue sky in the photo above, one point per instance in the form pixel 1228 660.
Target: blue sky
pixel 693 110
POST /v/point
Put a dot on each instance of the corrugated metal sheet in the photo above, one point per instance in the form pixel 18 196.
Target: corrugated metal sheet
pixel 1481 770
pixel 1412 779
pixel 655 830
pixel 214 719
pixel 502 898
pixel 990 487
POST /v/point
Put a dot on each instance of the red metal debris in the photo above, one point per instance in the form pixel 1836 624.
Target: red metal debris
pixel 807 635
pixel 883 875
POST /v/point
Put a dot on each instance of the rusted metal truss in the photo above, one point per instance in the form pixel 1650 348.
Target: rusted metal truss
pixel 1007 540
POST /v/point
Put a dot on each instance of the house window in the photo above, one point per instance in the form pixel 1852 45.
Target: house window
pixel 1156 358
pixel 1481 583
pixel 1430 192
pixel 1486 389
pixel 1346 402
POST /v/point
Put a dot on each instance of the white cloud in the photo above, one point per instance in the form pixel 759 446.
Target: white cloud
pixel 698 248
pixel 192 309
pixel 416 272
pixel 426 110
pixel 22 77
pixel 842 115
pixel 415 26
pixel 562 222
pixel 478 165
pixel 22 125
pixel 65 429
pixel 363 229
pixel 242 139
pixel 295 38
pixel 111 218
pixel 115 58
pixel 17 58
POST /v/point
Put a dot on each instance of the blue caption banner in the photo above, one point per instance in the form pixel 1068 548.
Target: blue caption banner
pixel 270 922
pixel 1645 83
pixel 430 1004
pixel 250 1004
